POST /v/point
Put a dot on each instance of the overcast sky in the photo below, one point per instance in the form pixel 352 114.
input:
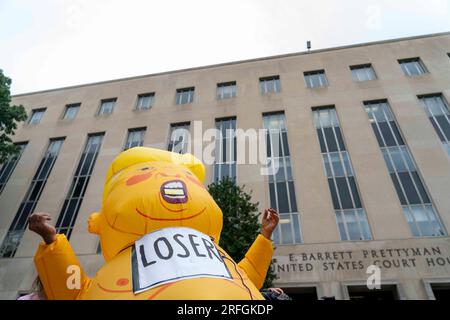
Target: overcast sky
pixel 46 44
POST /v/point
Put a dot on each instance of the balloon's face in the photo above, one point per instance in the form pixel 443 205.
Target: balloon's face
pixel 153 195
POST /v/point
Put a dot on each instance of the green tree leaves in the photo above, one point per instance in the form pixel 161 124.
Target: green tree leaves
pixel 9 115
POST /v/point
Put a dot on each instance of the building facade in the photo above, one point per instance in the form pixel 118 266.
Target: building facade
pixel 362 145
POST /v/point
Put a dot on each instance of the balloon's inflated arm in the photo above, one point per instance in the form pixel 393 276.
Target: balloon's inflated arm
pixel 58 267
pixel 257 260
pixel 60 271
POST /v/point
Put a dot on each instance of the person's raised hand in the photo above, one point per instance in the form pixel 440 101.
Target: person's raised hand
pixel 39 223
pixel 277 290
pixel 269 222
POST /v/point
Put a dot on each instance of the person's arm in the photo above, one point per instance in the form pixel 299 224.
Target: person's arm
pixel 258 258
pixel 57 265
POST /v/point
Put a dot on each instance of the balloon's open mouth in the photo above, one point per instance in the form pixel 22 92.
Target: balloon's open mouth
pixel 174 191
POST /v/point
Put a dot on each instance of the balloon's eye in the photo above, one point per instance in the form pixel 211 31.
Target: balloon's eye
pixel 188 173
pixel 146 168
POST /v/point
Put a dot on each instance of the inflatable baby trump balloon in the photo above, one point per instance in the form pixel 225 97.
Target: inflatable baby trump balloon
pixel 159 231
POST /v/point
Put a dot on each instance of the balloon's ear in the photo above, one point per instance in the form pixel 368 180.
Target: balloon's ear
pixel 94 223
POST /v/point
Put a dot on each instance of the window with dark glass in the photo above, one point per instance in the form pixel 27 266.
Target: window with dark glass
pixel 185 95
pixel 135 138
pixel 281 183
pixel 412 66
pixel 226 90
pixel 36 116
pixel 7 168
pixel 315 79
pixel 269 85
pixel 420 213
pixel 225 150
pixel 350 214
pixel 145 101
pixel 20 222
pixel 438 112
pixel 107 106
pixel 179 137
pixel 74 198
pixel 71 111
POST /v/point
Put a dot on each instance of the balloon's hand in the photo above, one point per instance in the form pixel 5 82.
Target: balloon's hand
pixel 39 223
pixel 269 222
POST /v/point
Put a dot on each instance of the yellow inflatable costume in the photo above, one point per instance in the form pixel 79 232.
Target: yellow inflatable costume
pixel 159 231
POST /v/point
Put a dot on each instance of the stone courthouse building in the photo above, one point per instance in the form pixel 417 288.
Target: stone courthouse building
pixel 364 161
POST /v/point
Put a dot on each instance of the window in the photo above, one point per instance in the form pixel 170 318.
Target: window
pixel 350 215
pixel 412 67
pixel 72 203
pixel 179 137
pixel 301 293
pixel 19 224
pixel 185 95
pixel 441 291
pixel 417 207
pixel 387 292
pixel 107 106
pixel 71 111
pixel 315 79
pixel 36 116
pixel 363 73
pixel 145 101
pixel 438 112
pixel 269 85
pixel 135 138
pixel 281 184
pixel 226 90
pixel 7 168
pixel 225 150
